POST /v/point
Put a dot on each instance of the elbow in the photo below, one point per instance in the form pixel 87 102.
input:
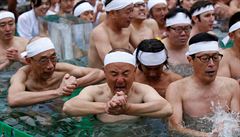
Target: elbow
pixel 13 102
pixel 168 111
pixel 67 109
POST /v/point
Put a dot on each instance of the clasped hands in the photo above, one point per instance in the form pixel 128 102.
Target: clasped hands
pixel 68 85
pixel 117 105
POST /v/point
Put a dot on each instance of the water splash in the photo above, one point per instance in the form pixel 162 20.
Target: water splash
pixel 224 123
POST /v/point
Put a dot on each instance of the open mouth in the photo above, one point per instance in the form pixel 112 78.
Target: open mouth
pixel 210 73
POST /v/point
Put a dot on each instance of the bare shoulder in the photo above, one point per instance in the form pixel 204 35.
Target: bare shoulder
pixel 62 66
pixel 174 76
pixel 150 22
pixel 96 90
pixel 21 73
pixel 179 86
pixel 140 87
pixel 227 82
pixel 100 29
pixel 20 43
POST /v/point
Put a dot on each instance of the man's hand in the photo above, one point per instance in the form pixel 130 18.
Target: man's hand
pixel 118 104
pixel 68 85
pixel 13 55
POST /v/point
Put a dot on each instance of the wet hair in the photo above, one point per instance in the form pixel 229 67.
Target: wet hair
pixel 37 3
pixel 152 46
pixel 79 3
pixel 234 19
pixel 175 11
pixel 202 37
pixel 197 6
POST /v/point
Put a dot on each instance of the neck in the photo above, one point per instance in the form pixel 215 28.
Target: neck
pixel 161 26
pixel 200 82
pixel 113 26
pixel 137 23
pixel 5 44
pixel 236 48
pixel 174 47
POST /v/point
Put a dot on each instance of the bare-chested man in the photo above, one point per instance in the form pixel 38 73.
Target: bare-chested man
pixel 120 98
pixel 194 96
pixel 44 79
pixel 141 27
pixel 10 45
pixel 158 10
pixel 230 64
pixel 10 48
pixel 178 25
pixel 202 13
pixel 151 57
pixel 113 32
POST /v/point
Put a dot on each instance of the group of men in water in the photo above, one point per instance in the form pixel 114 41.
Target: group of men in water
pixel 131 72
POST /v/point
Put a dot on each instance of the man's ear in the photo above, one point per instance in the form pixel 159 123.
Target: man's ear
pixel 231 35
pixel 28 60
pixel 195 19
pixel 190 59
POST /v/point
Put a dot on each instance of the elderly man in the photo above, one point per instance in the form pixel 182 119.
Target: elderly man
pixel 44 79
pixel 10 48
pixel 178 24
pixel 197 96
pixel 141 27
pixel 113 32
pixel 158 10
pixel 151 57
pixel 120 98
pixel 202 13
pixel 29 23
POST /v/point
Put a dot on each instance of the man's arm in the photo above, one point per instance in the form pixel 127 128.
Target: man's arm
pixel 154 26
pixel 101 41
pixel 235 102
pixel 84 104
pixel 175 121
pixel 18 96
pixel 153 104
pixel 85 76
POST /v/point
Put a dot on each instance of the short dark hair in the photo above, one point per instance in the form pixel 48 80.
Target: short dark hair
pixel 150 45
pixel 79 3
pixel 197 6
pixel 234 19
pixel 107 2
pixel 37 3
pixel 173 12
pixel 201 37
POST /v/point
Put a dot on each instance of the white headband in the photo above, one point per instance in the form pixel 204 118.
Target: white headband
pixel 119 56
pixel 137 1
pixel 82 8
pixel 152 3
pixel 203 9
pixel 117 4
pixel 38 46
pixel 179 18
pixel 6 14
pixel 202 46
pixel 234 27
pixel 152 59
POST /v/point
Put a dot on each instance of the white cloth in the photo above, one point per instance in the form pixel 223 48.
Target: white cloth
pixel 6 14
pixel 152 58
pixel 82 8
pixel 152 3
pixel 234 27
pixel 203 9
pixel 137 1
pixel 202 46
pixel 119 56
pixel 38 46
pixel 117 5
pixel 179 18
pixel 28 25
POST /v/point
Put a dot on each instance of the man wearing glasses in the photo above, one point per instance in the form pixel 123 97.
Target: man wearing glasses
pixel 44 78
pixel 178 24
pixel 195 97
